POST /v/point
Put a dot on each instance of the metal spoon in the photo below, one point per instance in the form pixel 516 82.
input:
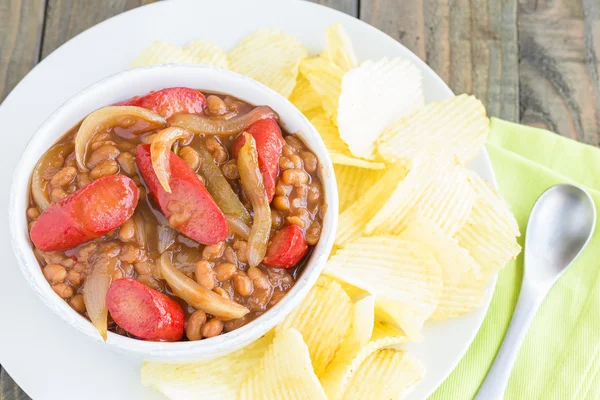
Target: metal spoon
pixel 560 226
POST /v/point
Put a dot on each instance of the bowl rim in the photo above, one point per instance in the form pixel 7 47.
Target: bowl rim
pixel 182 350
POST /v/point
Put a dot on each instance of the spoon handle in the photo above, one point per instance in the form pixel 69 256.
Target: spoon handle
pixel 497 378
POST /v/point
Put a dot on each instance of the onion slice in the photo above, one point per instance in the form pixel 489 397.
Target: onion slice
pixel 201 125
pixel 237 226
pixel 252 183
pixel 166 237
pixel 198 296
pixel 95 289
pixel 108 117
pixel 160 152
pixel 38 187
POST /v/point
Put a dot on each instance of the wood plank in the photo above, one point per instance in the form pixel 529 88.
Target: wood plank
pixel 349 7
pixel 9 390
pixel 471 44
pixel 20 37
pixel 67 18
pixel 559 49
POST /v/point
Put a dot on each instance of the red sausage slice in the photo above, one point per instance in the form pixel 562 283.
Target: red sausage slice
pixel 170 101
pixel 90 212
pixel 189 207
pixel 286 248
pixel 269 142
pixel 145 312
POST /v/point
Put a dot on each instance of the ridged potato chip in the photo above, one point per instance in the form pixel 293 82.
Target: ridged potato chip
pixel 385 374
pixel 490 232
pixel 403 275
pixel 217 379
pixel 196 52
pixel 338 150
pixel 284 372
pixel 323 319
pixel 352 221
pixel 353 182
pixel 434 188
pixel 338 47
pixel 373 96
pixel 458 125
pixel 304 97
pixel 271 57
pixel 326 79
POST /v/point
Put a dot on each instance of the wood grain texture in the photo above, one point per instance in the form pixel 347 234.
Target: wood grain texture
pixel 559 48
pixel 349 7
pixel 472 45
pixel 9 390
pixel 67 18
pixel 21 23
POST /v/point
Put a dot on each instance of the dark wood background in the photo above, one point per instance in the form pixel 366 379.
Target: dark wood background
pixel 530 61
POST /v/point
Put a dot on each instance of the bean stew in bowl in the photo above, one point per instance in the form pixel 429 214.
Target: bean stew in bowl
pixel 176 215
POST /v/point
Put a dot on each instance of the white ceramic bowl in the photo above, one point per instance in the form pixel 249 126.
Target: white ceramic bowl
pixel 138 82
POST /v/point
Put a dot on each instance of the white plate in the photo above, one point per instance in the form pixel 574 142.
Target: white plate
pixel 47 358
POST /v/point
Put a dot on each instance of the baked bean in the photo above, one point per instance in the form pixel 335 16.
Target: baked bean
pixel 313 233
pixel 79 267
pixel 216 150
pixel 259 278
pixel 30 225
pixel 287 150
pixel 294 219
pixel 195 324
pixel 71 161
pixel 221 292
pixel 74 278
pixel 50 172
pixel 243 284
pixel 127 162
pixel 143 268
pixel 259 299
pixel 280 278
pixel 72 188
pixel 130 253
pixel 230 255
pixel 298 202
pixel 296 160
pixel 96 145
pixel 212 328
pixel 241 249
pixel 281 189
pixel 310 161
pixel 67 262
pixel 147 139
pixel 33 212
pixel 190 156
pixel 314 193
pixel 77 303
pixel 83 179
pixel 127 230
pixel 205 275
pixel 64 176
pixel 57 194
pixel 227 286
pixel 294 142
pixel 300 191
pixel 101 137
pixel 281 203
pixel 276 219
pixel 54 273
pixel 216 106
pixel 63 290
pixel 104 168
pixel 103 153
pixel 213 251
pixel 230 170
pixel 225 271
pixel 294 177
pixel 286 163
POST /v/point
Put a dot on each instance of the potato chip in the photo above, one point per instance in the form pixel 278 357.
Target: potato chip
pixel 338 47
pixel 271 57
pixel 434 188
pixel 197 52
pixel 403 275
pixel 353 182
pixel 383 329
pixel 458 125
pixel 323 319
pixel 385 374
pixel 326 79
pixel 304 97
pixel 373 96
pixel 284 372
pixel 463 287
pixel 338 151
pixel 491 231
pixel 217 379
pixel 353 219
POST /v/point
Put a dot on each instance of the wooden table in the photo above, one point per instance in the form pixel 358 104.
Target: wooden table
pixel 532 61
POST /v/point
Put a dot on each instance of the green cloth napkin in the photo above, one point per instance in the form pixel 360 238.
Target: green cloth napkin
pixel 560 358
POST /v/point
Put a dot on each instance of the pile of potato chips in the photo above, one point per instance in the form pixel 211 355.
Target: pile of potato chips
pixel 419 235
